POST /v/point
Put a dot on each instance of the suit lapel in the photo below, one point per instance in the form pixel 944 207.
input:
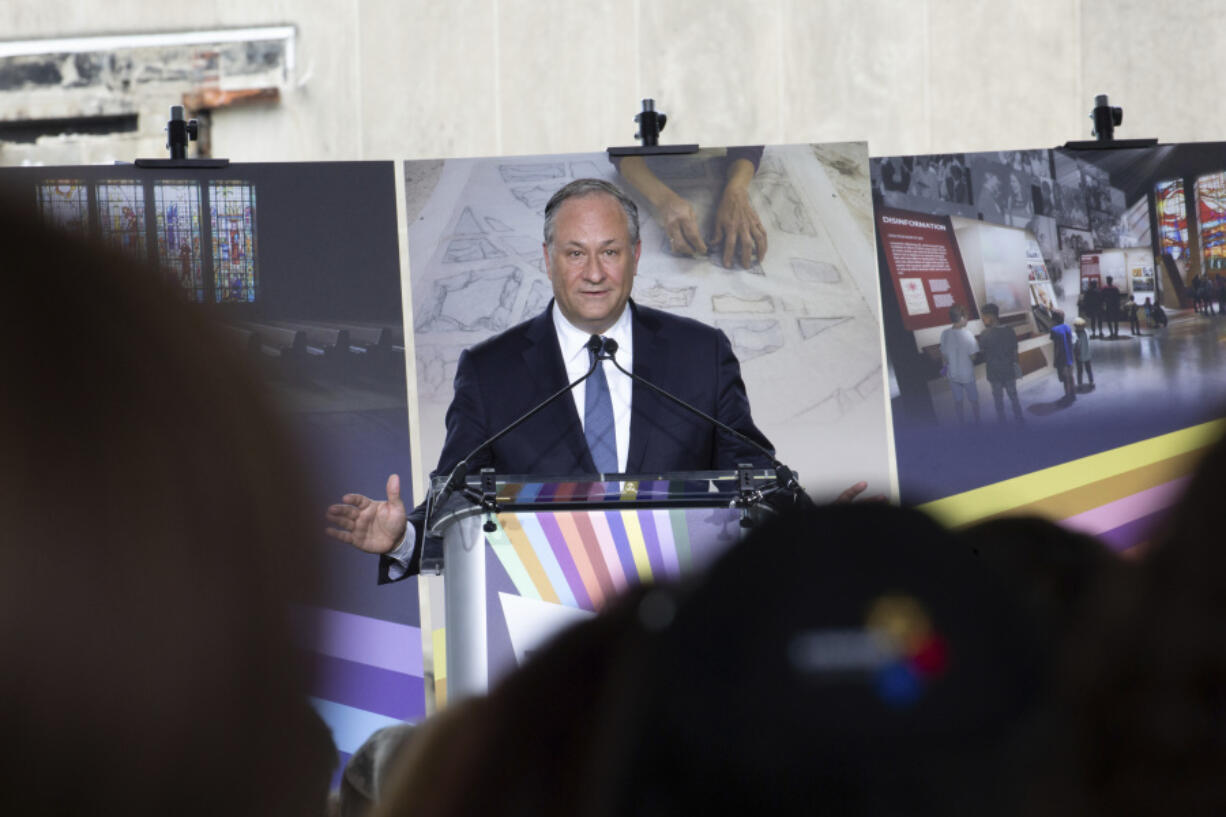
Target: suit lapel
pixel 650 359
pixel 543 359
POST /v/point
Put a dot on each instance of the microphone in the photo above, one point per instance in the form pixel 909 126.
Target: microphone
pixel 785 478
pixel 455 480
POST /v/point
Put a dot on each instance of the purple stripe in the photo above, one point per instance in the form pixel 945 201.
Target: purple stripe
pixel 361 639
pixel 1134 532
pixel 548 491
pixel 370 688
pixel 549 524
pixel 622 543
pixel 650 490
pixel 651 539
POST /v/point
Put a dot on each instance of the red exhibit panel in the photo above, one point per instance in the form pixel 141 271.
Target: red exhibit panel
pixel 1090 271
pixel 925 266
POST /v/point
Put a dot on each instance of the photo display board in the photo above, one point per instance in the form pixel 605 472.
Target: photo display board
pixel 800 309
pixel 1104 241
pixel 300 263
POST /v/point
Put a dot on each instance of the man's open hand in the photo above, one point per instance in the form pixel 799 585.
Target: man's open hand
pixel 375 526
pixel 854 491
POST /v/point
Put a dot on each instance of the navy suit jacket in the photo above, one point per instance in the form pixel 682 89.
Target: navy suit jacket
pixel 502 378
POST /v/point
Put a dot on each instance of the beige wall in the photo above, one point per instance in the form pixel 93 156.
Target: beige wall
pixel 382 79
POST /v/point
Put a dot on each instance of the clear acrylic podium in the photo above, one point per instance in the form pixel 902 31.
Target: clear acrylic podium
pixel 522 557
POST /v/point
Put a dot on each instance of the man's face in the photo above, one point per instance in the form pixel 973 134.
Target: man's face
pixel 591 262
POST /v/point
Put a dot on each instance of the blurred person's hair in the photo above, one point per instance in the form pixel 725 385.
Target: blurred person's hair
pixel 154 522
pixel 1054 570
pixel 1144 705
pixel 366 774
pixel 847 659
pixel 528 748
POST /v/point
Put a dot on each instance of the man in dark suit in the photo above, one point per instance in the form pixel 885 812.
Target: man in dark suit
pixel 591 251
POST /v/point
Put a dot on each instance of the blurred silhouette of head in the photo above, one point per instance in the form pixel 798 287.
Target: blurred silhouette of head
pixel 848 659
pixel 1054 571
pixel 1145 695
pixel 153 523
pixel 530 746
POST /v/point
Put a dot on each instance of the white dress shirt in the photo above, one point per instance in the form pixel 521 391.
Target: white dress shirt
pixel 573 343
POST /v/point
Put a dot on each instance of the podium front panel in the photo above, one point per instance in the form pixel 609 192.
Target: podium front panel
pixel 508 591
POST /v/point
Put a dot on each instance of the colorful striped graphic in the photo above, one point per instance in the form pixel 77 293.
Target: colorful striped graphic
pixel 583 558
pixel 1117 495
pixel 367 673
pixel 595 492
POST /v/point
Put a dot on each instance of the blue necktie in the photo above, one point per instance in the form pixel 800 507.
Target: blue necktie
pixel 598 419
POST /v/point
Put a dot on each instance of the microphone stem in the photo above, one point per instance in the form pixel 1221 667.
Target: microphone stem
pixel 461 468
pixel 535 410
pixel 724 426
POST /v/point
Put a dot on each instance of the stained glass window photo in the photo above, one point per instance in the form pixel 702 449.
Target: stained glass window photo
pixel 1172 218
pixel 121 215
pixel 178 234
pixel 232 221
pixel 1211 212
pixel 64 203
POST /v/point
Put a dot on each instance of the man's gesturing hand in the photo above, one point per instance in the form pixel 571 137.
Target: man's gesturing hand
pixel 855 490
pixel 368 524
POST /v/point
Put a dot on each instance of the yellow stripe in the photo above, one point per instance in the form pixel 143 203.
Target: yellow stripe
pixel 1111 489
pixel 439 639
pixel 638 545
pixel 1031 490
pixel 536 572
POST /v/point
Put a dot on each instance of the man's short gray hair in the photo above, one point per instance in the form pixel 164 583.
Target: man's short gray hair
pixel 587 187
